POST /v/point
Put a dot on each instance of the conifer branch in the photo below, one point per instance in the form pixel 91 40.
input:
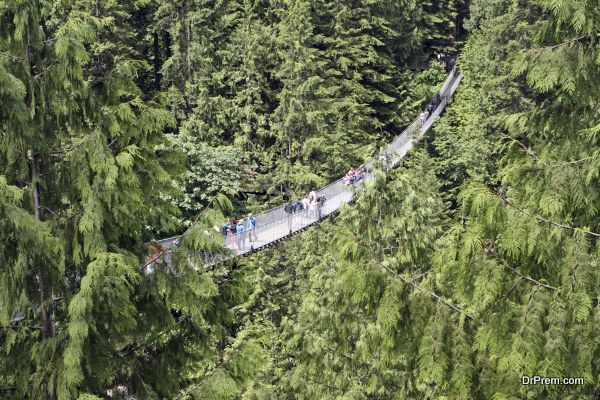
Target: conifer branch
pixel 545 164
pixel 3 54
pixel 421 275
pixel 346 356
pixel 526 314
pixel 128 352
pixel 197 385
pixel 424 291
pixel 32 327
pixel 567 163
pixel 429 293
pixel 223 363
pixel 527 149
pixel 577 39
pixel 546 220
pixel 560 165
pixel 325 384
pixel 527 278
pixel 161 253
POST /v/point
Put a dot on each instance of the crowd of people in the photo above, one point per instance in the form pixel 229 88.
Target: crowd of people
pixel 237 230
pixel 355 175
pixel 308 207
pixel 424 116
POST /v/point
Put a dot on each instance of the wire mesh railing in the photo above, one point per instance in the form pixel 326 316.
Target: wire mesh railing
pixel 275 224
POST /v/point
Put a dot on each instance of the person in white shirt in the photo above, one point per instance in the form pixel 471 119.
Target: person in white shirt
pixel 305 205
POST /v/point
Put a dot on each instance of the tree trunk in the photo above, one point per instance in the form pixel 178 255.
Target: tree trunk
pixel 157 61
pixel 45 300
pixel 167 43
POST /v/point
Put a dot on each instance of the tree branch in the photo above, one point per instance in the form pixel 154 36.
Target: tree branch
pixel 527 278
pixel 527 149
pixel 429 293
pixel 567 163
pixel 567 42
pixel 196 386
pixel 3 54
pixel 546 220
pixel 545 164
pixel 127 352
pixel 37 328
pixel 161 253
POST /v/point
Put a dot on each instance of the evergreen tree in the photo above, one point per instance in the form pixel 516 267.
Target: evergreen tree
pixel 299 118
pixel 361 72
pixel 442 20
pixel 196 31
pixel 86 167
pixel 472 265
pixel 524 257
pixel 360 319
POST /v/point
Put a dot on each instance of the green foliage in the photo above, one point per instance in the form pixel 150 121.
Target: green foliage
pixel 411 296
pixel 210 170
pixel 339 317
pixel 87 174
pixel 522 213
pixel 105 294
pixel 441 21
pixel 472 265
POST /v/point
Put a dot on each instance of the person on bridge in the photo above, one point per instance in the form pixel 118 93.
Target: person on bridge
pixel 298 206
pixel 360 173
pixel 305 206
pixel 384 155
pixel 232 231
pixel 289 210
pixel 224 229
pixel 350 177
pixel 320 203
pixel 385 158
pixel 252 228
pixel 441 59
pixel 312 210
pixel 240 231
pixel 312 196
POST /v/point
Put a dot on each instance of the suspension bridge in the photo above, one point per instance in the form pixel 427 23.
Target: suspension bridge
pixel 275 224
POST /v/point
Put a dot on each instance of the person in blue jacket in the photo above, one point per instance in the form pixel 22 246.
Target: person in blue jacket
pixel 251 228
pixel 240 231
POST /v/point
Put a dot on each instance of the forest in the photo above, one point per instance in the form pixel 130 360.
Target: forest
pixel 472 265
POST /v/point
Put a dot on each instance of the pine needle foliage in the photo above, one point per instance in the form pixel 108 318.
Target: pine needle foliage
pixel 523 253
pixel 87 171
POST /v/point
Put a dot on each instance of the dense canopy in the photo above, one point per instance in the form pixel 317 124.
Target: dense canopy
pixel 473 265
